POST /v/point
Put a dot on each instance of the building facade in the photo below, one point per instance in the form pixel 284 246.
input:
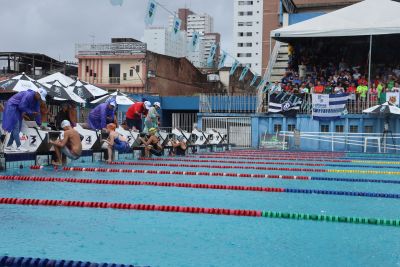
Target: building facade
pixel 163 41
pixel 247 32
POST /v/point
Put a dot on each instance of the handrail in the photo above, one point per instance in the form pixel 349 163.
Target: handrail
pixel 267 76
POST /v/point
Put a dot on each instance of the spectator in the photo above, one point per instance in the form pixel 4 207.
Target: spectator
pixel 339 89
pixel 101 115
pixel 362 90
pixel 373 93
pixel 276 87
pixel 319 88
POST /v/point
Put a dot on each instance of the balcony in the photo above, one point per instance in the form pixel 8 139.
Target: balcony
pixel 114 80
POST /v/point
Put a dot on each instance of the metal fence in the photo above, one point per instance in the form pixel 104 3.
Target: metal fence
pixel 242 103
pixel 238 129
pixel 184 121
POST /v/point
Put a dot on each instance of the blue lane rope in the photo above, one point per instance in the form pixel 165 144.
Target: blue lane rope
pixel 355 180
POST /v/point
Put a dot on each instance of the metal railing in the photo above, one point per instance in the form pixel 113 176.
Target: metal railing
pixel 267 77
pixel 128 48
pixel 114 80
pixel 243 103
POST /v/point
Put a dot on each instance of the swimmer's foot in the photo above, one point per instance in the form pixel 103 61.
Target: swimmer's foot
pixel 56 163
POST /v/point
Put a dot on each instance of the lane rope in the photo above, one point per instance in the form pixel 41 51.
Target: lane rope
pixel 202 186
pixel 200 210
pixel 233 175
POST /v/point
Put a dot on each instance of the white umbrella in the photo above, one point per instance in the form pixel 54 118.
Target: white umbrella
pixel 58 76
pixel 60 92
pixel 120 99
pixel 20 83
pixel 86 90
pixel 383 109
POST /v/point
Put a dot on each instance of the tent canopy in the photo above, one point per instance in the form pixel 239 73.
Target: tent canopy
pixel 370 17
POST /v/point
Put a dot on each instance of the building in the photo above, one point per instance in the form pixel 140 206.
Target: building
pixel 247 32
pixel 296 11
pixel 163 41
pixel 201 23
pixel 208 39
pixel 125 64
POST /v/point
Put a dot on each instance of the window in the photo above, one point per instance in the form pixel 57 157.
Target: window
pixel 249 34
pixel 248 23
pixel 87 68
pixel 90 73
pixel 324 128
pixel 240 44
pixel 339 128
pixel 242 3
pixel 131 72
pixel 291 127
pixel 124 75
pixel 241 33
pixel 248 13
pixel 249 44
pixel 277 128
pixel 243 55
pixel 354 128
pixel 369 129
pixel 137 69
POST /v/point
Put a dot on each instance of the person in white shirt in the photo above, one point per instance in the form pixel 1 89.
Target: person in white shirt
pixel 276 87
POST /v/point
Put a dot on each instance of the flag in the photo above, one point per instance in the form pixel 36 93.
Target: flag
pixel 150 13
pixel 176 27
pixel 211 56
pixel 222 59
pixel 328 107
pixel 253 81
pixel 234 67
pixel 284 103
pixel 244 72
pixel 260 84
pixel 195 41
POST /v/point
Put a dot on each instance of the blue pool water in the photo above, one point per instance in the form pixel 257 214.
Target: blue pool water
pixel 177 239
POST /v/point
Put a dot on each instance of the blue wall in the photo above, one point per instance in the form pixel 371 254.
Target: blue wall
pixel 299 17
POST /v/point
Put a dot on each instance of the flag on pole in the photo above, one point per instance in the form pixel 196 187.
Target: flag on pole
pixel 244 72
pixel 253 81
pixel 177 25
pixel 195 41
pixel 211 56
pixel 222 59
pixel 151 11
pixel 234 67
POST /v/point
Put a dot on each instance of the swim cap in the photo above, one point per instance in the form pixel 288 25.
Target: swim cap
pixel 65 123
pixel 152 130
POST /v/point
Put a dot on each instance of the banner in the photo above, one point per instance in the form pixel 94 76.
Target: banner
pixel 150 13
pixel 328 107
pixel 393 97
pixel 176 26
pixel 244 72
pixel 195 41
pixel 222 59
pixel 253 81
pixel 285 103
pixel 211 56
pixel 234 67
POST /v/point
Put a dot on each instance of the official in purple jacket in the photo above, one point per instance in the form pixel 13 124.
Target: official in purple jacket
pixel 101 115
pixel 23 103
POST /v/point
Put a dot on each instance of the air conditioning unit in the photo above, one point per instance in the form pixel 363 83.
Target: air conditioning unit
pixel 213 77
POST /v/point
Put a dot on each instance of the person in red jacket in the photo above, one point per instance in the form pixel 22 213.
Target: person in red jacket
pixel 135 113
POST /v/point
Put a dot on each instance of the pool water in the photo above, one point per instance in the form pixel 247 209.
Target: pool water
pixel 155 238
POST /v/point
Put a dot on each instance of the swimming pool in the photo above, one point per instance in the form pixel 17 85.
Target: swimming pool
pixel 237 208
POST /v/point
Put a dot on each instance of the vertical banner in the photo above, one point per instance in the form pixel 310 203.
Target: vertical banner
pixel 393 98
pixel 150 12
pixel 234 67
pixel 244 72
pixel 176 27
pixel 253 81
pixel 222 59
pixel 211 56
pixel 195 41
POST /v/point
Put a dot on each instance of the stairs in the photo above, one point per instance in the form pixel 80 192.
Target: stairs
pixel 281 64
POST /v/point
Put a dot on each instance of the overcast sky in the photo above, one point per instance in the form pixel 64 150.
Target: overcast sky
pixel 53 27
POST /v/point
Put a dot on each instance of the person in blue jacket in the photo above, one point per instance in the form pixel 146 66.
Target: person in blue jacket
pixel 101 115
pixel 20 104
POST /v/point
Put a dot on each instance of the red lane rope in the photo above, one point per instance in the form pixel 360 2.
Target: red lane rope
pixel 217 166
pixel 129 206
pixel 319 159
pixel 239 175
pixel 141 183
pixel 234 162
pixel 278 153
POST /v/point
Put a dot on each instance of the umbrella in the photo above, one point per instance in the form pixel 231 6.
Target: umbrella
pixel 120 99
pixel 57 90
pixel 86 90
pixel 386 108
pixel 20 83
pixel 58 76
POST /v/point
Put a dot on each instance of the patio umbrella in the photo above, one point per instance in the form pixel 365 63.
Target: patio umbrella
pixel 86 90
pixel 59 92
pixel 58 76
pixel 385 109
pixel 20 83
pixel 120 99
